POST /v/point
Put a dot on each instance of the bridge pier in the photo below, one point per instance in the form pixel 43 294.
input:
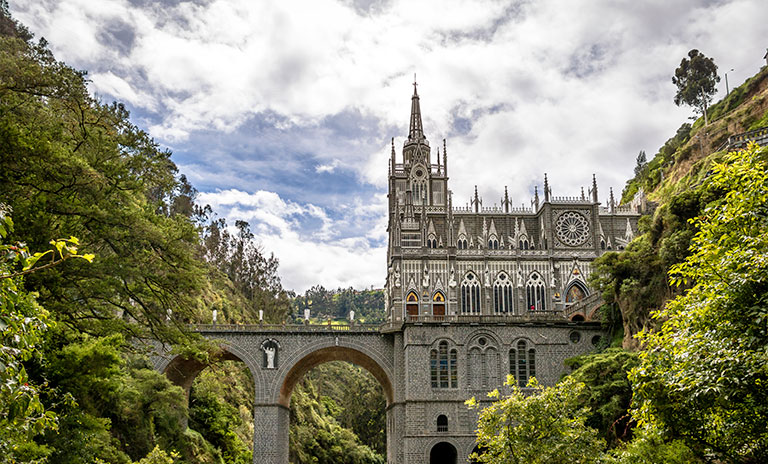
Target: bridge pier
pixel 270 433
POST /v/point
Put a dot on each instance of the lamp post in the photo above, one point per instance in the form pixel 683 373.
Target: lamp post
pixel 727 92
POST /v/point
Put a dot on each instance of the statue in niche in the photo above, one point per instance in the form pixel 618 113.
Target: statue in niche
pixel 397 276
pixel 452 278
pixel 425 280
pixel 270 347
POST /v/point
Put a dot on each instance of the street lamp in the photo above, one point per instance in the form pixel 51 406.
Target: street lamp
pixel 727 92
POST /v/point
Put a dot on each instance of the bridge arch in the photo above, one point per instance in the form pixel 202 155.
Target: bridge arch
pixel 183 371
pixel 313 356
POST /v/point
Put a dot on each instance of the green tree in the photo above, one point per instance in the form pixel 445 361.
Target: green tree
pixel 607 391
pixel 702 376
pixel 547 426
pixel 695 79
pixel 23 323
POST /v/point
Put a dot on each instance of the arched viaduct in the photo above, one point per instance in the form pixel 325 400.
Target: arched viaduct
pixel 426 418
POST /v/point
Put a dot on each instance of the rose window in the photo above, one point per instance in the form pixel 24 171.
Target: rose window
pixel 572 228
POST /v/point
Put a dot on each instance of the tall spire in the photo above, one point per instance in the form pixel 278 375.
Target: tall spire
pixel 546 188
pixel 392 156
pixel 416 132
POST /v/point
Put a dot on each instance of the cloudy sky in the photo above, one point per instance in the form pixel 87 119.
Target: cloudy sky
pixel 281 112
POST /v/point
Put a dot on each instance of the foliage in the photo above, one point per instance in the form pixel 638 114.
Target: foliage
pixel 607 391
pixel 547 426
pixel 217 420
pixel 158 456
pixel 355 399
pixel 695 79
pixel 315 437
pixel 110 407
pixel 337 304
pixel 252 275
pixel 702 377
pixel 221 409
pixel 650 447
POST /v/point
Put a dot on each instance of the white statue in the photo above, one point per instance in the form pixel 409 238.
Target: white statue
pixel 215 314
pixel 487 277
pixel 306 314
pixel 270 351
pixel 519 277
pixel 397 276
pixel 261 315
pixel 425 280
pixel 351 315
pixel 452 278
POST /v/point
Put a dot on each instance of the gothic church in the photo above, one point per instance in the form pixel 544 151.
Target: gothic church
pixel 447 262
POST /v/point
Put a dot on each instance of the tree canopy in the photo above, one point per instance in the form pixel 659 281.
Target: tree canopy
pixel 695 79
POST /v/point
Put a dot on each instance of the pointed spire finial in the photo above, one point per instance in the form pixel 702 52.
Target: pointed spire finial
pixel 546 188
pixel 612 201
pixel 506 200
pixel 594 189
pixel 445 159
pixel 416 131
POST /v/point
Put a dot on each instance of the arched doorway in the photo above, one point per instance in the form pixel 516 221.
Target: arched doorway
pixel 443 453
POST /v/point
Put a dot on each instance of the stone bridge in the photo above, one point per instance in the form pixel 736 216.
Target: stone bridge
pixel 427 369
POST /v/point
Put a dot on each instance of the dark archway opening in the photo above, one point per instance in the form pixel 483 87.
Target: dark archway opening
pixel 443 453
pixel 326 382
pixel 577 318
pixel 220 399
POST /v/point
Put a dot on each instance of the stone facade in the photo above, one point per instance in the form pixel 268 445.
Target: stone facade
pixel 473 294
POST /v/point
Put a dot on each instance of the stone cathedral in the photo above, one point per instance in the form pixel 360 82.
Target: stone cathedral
pixel 472 294
pixel 480 292
pixel 447 262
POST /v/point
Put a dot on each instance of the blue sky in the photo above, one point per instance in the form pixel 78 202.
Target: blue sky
pixel 281 112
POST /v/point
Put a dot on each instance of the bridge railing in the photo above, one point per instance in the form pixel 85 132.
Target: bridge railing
pixel 584 305
pixel 284 327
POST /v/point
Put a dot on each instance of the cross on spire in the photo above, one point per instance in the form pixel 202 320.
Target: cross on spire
pixel 416 132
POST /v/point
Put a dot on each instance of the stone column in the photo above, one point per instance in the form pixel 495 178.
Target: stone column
pixel 270 433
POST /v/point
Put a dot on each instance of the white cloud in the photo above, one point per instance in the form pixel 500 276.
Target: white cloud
pixel 321 255
pixel 568 88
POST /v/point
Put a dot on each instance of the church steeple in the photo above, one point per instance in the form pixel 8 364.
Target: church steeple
pixel 416 131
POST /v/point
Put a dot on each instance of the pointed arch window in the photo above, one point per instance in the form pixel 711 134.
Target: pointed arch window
pixel 462 243
pixel 523 242
pixel 442 366
pixel 412 304
pixel 522 363
pixel 575 292
pixel 493 243
pixel 535 293
pixel 502 294
pixel 431 241
pixel 470 294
